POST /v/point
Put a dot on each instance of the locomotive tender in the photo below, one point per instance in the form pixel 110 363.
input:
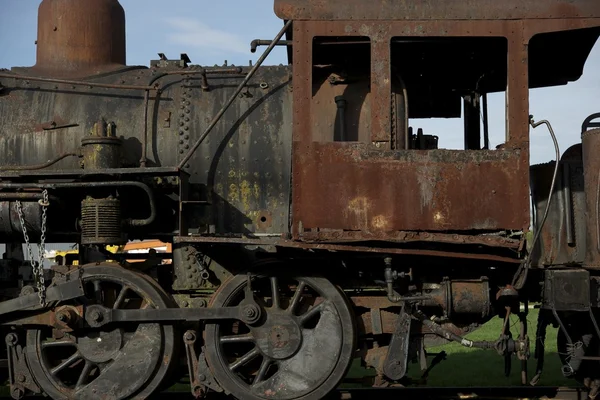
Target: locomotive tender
pixel 311 223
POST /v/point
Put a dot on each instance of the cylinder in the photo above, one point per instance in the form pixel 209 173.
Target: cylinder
pixel 101 221
pixel 79 38
pixel 591 177
pixel 102 149
pixel 10 223
pixel 462 297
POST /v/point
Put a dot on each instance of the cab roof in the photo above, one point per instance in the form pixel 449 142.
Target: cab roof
pixel 435 9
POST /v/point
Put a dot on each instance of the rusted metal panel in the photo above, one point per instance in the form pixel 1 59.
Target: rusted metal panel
pixel 240 175
pixel 562 239
pixel 591 169
pixel 346 186
pixel 434 9
pixel 381 91
pixel 340 236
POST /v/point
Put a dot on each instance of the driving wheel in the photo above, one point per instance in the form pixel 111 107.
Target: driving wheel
pixel 298 346
pixel 116 362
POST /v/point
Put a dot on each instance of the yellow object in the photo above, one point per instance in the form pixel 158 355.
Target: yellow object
pixel 71 257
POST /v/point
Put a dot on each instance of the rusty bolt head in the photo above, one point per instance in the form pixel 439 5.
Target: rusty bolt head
pixel 250 313
pixel 96 316
pixel 11 339
pixel 63 316
pixel 189 335
pixel 27 290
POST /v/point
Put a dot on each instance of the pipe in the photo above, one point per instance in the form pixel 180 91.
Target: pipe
pixel 25 196
pixel 75 185
pixel 77 83
pixel 519 281
pixel 143 159
pixel 259 42
pixel 234 95
pixel 341 103
pixel 440 331
pixel 486 128
pixel 38 166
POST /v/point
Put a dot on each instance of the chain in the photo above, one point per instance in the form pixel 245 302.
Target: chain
pixel 37 267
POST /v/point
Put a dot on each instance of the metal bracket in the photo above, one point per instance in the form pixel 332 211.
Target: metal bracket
pixel 205 377
pixel 200 375
pixel 395 364
pixel 19 377
pixel 64 291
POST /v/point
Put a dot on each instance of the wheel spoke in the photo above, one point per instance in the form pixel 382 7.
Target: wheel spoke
pixel 65 363
pixel 297 295
pixel 98 292
pixel 275 292
pixel 237 338
pixel 58 343
pixel 262 371
pixel 244 359
pixel 311 313
pixel 121 297
pixel 85 373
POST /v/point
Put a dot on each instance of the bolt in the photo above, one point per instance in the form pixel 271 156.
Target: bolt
pixel 250 312
pixel 62 317
pixel 96 316
pixel 201 377
pixel 11 339
pixel 21 378
pixel 189 335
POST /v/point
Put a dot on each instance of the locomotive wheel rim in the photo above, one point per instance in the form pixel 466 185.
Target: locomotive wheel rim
pixel 133 371
pixel 323 355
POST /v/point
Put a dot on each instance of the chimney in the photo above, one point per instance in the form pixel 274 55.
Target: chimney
pixel 80 38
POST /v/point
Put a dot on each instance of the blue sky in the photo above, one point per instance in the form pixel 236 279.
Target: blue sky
pixel 213 31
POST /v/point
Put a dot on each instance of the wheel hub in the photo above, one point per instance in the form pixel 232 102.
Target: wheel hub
pixel 100 347
pixel 280 337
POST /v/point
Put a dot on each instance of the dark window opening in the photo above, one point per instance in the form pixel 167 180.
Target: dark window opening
pixel 454 91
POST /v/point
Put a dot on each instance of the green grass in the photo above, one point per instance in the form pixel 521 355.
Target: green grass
pixel 468 367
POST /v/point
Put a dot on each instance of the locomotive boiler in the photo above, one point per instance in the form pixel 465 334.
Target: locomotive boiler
pixel 312 221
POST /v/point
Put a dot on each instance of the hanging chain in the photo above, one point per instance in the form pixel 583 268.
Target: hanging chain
pixel 37 267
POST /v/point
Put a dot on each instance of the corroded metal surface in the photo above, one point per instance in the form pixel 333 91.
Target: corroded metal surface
pixel 434 9
pixel 407 237
pixel 346 186
pixel 563 237
pixel 380 191
pixel 240 174
pixel 80 38
pixel 591 168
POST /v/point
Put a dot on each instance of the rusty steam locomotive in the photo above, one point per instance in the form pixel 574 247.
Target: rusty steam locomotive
pixel 310 224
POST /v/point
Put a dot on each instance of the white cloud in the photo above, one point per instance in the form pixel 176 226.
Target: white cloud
pixel 196 34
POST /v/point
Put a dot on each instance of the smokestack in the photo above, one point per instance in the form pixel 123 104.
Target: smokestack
pixel 80 38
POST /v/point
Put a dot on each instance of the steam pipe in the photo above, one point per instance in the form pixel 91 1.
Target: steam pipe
pixel 75 185
pixel 38 166
pixel 258 42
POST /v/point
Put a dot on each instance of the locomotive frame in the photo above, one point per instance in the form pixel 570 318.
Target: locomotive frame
pixel 309 225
